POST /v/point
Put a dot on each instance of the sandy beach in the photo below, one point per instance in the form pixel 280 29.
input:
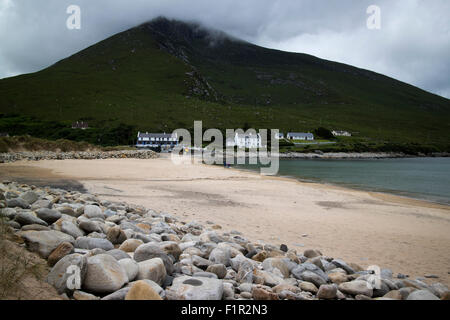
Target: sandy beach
pixel 405 235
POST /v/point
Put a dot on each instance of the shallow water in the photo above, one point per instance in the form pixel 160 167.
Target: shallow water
pixel 421 178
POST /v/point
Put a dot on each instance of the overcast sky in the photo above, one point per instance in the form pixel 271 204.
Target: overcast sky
pixel 413 44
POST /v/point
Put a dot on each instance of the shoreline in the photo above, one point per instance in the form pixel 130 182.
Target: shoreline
pixel 14 156
pixel 391 195
pixel 358 226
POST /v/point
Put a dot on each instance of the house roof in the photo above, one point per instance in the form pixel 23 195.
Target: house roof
pixel 155 135
pixel 301 134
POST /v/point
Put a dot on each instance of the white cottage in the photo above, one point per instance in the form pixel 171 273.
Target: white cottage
pixel 248 141
pixel 300 136
pixel 341 133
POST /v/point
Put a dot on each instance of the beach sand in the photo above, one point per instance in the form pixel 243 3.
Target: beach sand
pixel 408 236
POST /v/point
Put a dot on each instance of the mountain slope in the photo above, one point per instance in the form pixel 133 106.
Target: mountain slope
pixel 165 74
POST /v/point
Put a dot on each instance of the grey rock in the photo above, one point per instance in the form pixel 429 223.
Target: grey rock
pixel 190 288
pixel 14 224
pixel 92 243
pixel 44 242
pixel 128 225
pixel 9 213
pixel 104 274
pixel 382 290
pixel 117 254
pixel 68 211
pixel 71 229
pixel 439 288
pixel 152 250
pixel 10 195
pixel 36 227
pixel 48 215
pixel 219 269
pixel 152 269
pixel 312 277
pixel 65 272
pixel 245 287
pixel 91 211
pixel 298 271
pixel 25 218
pixel 30 197
pixel 422 295
pixel 327 291
pixel 90 226
pixel 341 264
pixel 356 287
pixel 41 204
pixel 17 202
pixel 131 267
pixel 270 264
pixel 114 218
pixel 219 255
pixel 200 262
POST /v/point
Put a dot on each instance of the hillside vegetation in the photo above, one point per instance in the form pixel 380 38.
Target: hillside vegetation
pixel 165 74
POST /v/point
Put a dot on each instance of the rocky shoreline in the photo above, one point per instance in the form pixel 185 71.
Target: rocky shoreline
pixel 106 250
pixel 84 155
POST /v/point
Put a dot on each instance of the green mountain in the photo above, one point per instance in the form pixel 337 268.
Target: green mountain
pixel 165 74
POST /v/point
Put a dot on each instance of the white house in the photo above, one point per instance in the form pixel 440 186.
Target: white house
pixel 249 141
pixel 341 133
pixel 279 136
pixel 155 140
pixel 300 136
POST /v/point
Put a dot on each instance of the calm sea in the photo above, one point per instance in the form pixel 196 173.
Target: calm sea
pixel 421 178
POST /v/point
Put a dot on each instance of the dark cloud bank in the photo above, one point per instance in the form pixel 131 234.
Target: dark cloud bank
pixel 412 45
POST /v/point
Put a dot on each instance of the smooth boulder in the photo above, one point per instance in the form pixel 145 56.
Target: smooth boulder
pixel 93 243
pixel 141 290
pixel 152 269
pixel 104 274
pixel 68 273
pixel 190 288
pixel 44 242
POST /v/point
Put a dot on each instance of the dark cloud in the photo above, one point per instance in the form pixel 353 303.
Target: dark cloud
pixel 412 44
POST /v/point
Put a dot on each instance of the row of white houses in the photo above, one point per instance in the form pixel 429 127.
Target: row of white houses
pixel 240 140
pixel 156 140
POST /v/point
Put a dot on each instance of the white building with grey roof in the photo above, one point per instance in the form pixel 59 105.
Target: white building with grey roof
pixel 245 140
pixel 300 136
pixel 156 140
